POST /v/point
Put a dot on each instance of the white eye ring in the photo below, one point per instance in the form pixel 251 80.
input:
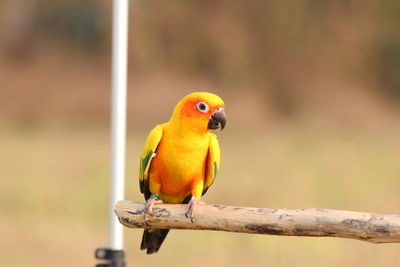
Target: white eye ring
pixel 202 107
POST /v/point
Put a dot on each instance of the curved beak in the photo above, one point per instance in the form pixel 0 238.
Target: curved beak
pixel 217 118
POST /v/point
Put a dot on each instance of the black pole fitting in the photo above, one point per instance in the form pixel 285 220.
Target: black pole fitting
pixel 110 257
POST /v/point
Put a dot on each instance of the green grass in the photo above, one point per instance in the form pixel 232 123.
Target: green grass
pixel 54 195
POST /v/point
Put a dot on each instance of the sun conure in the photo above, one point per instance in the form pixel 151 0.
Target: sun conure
pixel 180 159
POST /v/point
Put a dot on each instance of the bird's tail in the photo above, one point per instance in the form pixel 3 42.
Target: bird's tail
pixel 152 239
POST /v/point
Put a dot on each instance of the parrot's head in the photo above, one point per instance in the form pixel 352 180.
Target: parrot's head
pixel 200 112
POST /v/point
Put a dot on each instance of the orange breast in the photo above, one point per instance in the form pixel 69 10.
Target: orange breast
pixel 177 166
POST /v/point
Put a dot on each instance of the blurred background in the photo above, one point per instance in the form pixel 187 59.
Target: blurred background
pixel 312 91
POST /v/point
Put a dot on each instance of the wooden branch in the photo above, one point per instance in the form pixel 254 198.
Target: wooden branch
pixel 375 228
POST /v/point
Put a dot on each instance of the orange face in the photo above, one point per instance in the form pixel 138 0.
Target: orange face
pixel 198 108
pixel 201 111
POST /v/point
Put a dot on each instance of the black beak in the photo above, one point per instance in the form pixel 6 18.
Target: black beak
pixel 216 119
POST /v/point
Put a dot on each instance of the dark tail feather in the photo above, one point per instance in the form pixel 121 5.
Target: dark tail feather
pixel 152 240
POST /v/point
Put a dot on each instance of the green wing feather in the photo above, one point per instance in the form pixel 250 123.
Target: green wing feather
pixel 148 153
pixel 212 162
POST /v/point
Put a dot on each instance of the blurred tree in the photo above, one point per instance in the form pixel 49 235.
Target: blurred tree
pixel 387 48
pixel 18 32
pixel 78 24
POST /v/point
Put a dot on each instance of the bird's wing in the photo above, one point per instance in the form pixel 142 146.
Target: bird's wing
pixel 212 162
pixel 148 153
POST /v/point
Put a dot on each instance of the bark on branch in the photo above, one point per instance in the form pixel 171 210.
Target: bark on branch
pixel 375 228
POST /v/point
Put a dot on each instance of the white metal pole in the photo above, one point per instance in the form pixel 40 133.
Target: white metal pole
pixel 118 116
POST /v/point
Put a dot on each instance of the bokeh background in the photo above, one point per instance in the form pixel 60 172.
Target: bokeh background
pixel 312 91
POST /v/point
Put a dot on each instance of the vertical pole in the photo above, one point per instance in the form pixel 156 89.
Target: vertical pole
pixel 114 254
pixel 118 116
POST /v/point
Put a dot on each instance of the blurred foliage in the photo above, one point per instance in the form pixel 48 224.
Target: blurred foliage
pixel 239 41
pixel 292 55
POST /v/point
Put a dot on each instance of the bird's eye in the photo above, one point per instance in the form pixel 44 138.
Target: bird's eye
pixel 202 107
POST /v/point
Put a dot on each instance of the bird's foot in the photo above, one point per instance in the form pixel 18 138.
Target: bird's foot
pixel 148 208
pixel 191 207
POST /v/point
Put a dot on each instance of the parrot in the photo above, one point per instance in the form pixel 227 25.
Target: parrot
pixel 180 159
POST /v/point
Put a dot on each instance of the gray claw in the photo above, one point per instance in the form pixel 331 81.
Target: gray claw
pixel 191 207
pixel 148 208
